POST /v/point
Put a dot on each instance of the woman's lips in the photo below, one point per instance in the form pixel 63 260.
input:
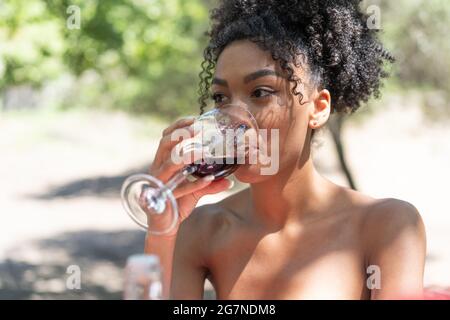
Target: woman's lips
pixel 251 157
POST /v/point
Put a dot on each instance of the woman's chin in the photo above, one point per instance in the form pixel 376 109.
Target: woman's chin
pixel 250 174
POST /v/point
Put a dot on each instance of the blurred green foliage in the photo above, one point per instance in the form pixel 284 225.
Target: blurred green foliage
pixel 145 55
pixel 416 31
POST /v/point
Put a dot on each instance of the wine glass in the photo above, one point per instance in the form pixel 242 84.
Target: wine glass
pixel 221 136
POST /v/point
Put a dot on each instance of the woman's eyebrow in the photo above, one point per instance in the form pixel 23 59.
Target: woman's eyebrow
pixel 261 73
pixel 220 82
pixel 251 77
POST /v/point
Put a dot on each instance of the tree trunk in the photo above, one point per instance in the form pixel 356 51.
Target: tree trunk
pixel 335 126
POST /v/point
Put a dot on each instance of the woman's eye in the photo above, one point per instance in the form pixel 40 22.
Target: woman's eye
pixel 261 93
pixel 218 97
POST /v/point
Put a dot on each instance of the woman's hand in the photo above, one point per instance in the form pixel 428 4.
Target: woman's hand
pixel 187 193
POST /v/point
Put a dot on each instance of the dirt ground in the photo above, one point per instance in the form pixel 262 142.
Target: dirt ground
pixel 61 174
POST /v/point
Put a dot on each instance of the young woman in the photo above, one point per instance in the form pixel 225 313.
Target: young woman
pixel 295 234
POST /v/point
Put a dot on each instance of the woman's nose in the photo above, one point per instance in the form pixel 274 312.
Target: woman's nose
pixel 239 103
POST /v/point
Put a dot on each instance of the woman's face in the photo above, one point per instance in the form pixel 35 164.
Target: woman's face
pixel 247 75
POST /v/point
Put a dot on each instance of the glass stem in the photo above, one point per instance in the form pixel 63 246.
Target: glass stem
pixel 157 201
pixel 180 177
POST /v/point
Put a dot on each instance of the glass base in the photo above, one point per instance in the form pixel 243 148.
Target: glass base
pixel 149 203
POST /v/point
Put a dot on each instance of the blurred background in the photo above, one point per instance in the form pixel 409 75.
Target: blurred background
pixel 87 86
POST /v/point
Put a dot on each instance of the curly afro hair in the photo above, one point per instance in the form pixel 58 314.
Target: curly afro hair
pixel 330 38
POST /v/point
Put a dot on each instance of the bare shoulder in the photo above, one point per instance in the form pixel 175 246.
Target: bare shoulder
pixel 391 222
pixel 381 218
pixel 384 212
pixel 390 214
pixel 391 235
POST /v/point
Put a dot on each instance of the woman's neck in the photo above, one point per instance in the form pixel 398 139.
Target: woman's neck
pixel 291 196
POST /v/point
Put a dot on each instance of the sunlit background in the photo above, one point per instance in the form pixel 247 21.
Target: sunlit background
pixel 82 107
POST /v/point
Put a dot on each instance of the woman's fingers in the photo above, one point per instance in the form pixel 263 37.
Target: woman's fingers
pixel 184 122
pixel 191 187
pixel 168 169
pixel 188 202
pixel 214 187
pixel 168 142
pixel 171 165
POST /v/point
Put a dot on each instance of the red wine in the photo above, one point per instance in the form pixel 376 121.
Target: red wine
pixel 219 170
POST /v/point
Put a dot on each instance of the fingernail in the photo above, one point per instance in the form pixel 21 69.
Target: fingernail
pixel 209 178
pixel 231 184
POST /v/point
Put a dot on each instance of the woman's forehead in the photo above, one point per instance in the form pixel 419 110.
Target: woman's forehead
pixel 243 57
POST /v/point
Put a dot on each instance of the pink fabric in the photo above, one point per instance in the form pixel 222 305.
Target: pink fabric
pixel 430 293
pixel 436 293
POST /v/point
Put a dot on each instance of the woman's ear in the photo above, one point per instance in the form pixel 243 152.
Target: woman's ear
pixel 321 110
